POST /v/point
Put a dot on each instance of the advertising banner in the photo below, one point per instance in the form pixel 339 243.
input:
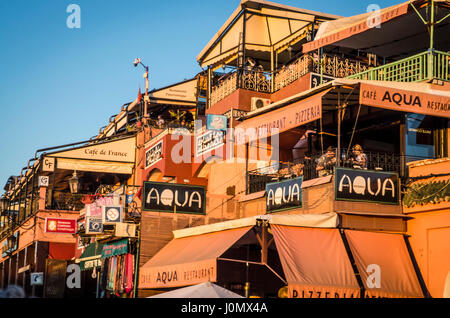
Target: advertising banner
pixel 153 154
pixel 284 195
pixel 367 186
pixel 115 248
pixel 61 226
pixel 177 198
pixel 209 140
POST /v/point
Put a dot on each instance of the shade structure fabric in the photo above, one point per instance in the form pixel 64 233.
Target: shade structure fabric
pixel 203 290
pixel 384 264
pixel 337 30
pixel 315 262
pixel 91 256
pixel 188 260
pixel 261 26
pixel 279 120
pixel 94 166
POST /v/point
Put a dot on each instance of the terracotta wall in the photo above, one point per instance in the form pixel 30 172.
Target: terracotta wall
pixel 429 229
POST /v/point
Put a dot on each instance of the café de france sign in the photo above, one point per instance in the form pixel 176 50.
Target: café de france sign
pixel 122 150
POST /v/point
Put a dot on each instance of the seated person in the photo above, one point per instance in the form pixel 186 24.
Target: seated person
pixel 326 163
pixel 359 159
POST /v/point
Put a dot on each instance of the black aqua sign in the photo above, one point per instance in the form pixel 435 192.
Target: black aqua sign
pixel 284 195
pixel 367 185
pixel 177 198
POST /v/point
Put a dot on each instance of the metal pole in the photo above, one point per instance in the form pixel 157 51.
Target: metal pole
pixel 33 289
pixel 338 151
pixel 136 270
pixel 431 53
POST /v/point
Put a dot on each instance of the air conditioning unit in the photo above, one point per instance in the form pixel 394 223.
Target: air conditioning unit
pixel 258 103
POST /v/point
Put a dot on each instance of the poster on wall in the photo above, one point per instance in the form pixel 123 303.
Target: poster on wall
pixel 209 140
pixel 367 186
pixel 284 195
pixel 176 198
pixel 55 278
pixel 153 154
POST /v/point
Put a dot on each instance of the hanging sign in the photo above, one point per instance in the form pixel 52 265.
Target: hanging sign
pixel 115 248
pixel 284 195
pixel 216 122
pixel 61 226
pixel 169 197
pixel 209 140
pixel 43 181
pixel 37 279
pixel 153 154
pixel 94 225
pixel 367 186
pixel 112 214
pixel 317 78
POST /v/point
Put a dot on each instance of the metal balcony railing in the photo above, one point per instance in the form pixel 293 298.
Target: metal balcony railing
pixel 257 179
pixel 420 67
pixel 259 81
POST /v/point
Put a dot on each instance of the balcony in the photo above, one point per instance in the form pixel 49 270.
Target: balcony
pixel 268 82
pixel 420 67
pixel 257 179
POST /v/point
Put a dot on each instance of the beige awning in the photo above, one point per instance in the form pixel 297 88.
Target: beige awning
pixel 391 32
pixel 189 260
pixel 315 262
pixel 384 264
pixel 94 166
pixel 267 26
pixel 333 31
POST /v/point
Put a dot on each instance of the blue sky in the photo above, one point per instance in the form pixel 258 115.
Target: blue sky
pixel 60 85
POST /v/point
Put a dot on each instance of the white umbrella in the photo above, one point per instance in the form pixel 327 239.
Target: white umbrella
pixel 204 290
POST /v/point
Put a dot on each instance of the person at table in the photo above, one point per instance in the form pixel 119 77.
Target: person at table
pixel 359 158
pixel 326 163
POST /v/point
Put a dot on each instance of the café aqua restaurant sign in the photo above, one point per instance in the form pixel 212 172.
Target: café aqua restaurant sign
pixel 367 186
pixel 284 195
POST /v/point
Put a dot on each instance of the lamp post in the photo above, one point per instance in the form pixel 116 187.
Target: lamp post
pixel 137 61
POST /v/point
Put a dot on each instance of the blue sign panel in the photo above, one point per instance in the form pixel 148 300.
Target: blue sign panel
pixel 216 122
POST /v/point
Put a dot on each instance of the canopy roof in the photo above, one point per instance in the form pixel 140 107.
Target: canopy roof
pixel 203 290
pixel 399 30
pixel 263 25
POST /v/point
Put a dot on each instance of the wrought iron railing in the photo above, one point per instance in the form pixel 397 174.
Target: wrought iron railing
pixel 420 67
pixel 290 73
pixel 257 179
pixel 259 81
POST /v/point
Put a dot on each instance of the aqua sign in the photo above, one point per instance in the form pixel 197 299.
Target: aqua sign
pixel 284 195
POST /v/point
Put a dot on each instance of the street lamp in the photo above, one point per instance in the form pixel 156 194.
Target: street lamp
pixel 137 61
pixel 74 183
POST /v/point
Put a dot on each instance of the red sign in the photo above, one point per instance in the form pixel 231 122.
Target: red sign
pixel 59 225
